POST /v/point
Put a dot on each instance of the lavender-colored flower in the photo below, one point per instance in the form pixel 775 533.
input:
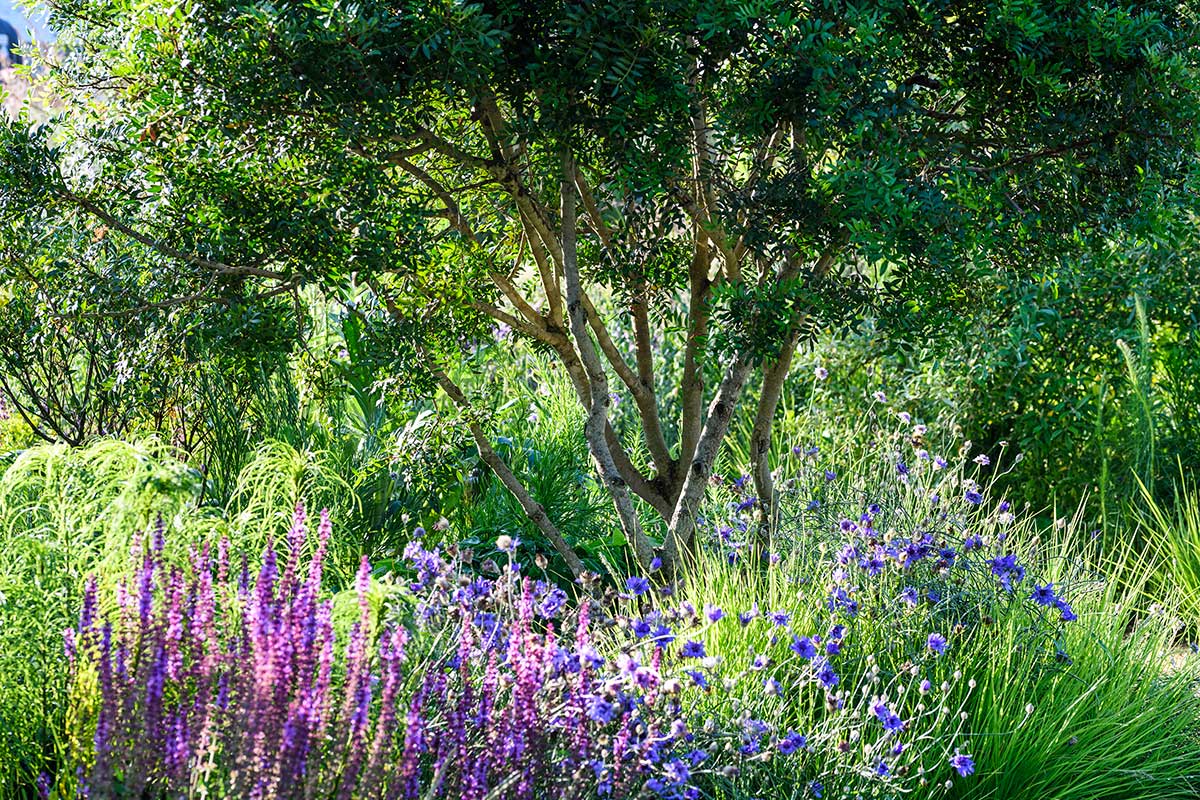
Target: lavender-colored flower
pixel 962 763
pixel 1066 612
pixel 973 497
pixel 937 643
pixel 1044 595
pixel 636 585
pixel 791 742
pixel 803 646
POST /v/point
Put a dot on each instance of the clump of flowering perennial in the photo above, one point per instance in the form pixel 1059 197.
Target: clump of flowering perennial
pixel 213 679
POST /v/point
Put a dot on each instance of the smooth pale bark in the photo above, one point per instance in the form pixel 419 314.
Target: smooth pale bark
pixel 774 378
pixel 716 425
pixel 596 425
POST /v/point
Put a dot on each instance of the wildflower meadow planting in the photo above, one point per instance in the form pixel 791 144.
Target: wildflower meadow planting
pixel 678 400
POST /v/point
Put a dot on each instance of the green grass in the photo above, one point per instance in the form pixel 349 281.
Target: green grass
pixel 1173 535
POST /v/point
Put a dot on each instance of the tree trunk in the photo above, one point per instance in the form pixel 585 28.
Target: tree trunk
pixel 596 425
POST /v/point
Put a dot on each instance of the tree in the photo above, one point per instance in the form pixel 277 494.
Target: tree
pixel 734 174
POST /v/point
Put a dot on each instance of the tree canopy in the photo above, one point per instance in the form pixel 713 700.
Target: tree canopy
pixel 733 174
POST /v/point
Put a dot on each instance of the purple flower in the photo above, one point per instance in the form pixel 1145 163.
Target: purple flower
pixel 1067 613
pixel 908 595
pixel 778 618
pixel 817 789
pixel 937 643
pixel 792 742
pixel 637 585
pixel 601 710
pixel 656 564
pixel 1044 595
pixel 803 646
pixel 973 497
pixel 692 649
pixel 747 504
pixel 891 722
pixel 830 475
pixel 698 678
pixel 714 613
pixel 824 672
pixel 962 763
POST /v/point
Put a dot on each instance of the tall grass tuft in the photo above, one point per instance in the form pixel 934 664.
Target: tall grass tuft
pixel 1173 535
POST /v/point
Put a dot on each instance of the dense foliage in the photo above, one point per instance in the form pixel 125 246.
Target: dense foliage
pixel 705 399
pixel 592 177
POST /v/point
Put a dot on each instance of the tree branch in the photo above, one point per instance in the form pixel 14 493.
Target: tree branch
pixel 596 425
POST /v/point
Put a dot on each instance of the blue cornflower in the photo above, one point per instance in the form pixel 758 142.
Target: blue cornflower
pixel 760 662
pixel 1044 595
pixel 1068 613
pixel 891 722
pixel 972 542
pixel 882 769
pixel 637 585
pixel 714 613
pixel 656 564
pixel 803 646
pixel 698 678
pixel 772 686
pixel 662 635
pixel 1008 570
pixel 601 710
pixel 813 505
pixel 833 648
pixel 641 628
pixel 745 617
pixel 792 742
pixel 973 497
pixel 817 789
pixel 909 595
pixel 830 475
pixel 676 771
pixel 962 763
pixel 937 643
pixel 747 504
pixel 901 468
pixel 692 649
pixel 779 618
pixel 824 673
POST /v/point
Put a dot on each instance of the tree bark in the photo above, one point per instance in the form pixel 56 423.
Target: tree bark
pixel 596 425
pixel 716 425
